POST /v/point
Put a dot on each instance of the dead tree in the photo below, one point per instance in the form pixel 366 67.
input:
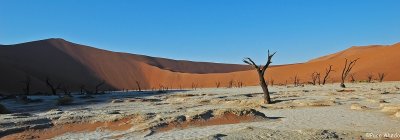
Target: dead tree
pixel 194 86
pixel 261 72
pixel 348 65
pixel 27 83
pixel 52 87
pixel 296 81
pixel 138 85
pixel 314 77
pixel 381 76
pixel 319 78
pixel 217 84
pixel 97 87
pixel 327 72
pixel 369 77
pixel 239 84
pixel 230 84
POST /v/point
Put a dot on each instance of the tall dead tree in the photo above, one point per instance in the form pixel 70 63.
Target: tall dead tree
pixel 348 65
pixel 97 87
pixel 138 85
pixel 381 76
pixel 261 72
pixel 327 72
pixel 52 87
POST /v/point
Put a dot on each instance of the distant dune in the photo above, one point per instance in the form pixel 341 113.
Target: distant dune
pixel 74 65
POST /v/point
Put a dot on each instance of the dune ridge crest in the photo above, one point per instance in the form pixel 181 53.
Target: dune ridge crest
pixel 74 65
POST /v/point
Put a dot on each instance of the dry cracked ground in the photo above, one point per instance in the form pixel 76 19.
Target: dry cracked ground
pixel 363 110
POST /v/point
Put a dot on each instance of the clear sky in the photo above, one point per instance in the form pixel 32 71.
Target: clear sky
pixel 206 30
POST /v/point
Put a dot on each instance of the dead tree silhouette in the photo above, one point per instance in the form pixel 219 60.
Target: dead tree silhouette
pixel 52 87
pixel 217 84
pixel 381 76
pixel 296 81
pixel 348 65
pixel 327 72
pixel 261 72
pixel 314 78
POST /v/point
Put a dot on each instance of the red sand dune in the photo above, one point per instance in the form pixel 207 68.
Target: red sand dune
pixel 74 65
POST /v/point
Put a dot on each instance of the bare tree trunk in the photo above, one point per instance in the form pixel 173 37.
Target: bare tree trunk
pixel 296 81
pixel 327 72
pixel 264 86
pixel 346 70
pixel 261 73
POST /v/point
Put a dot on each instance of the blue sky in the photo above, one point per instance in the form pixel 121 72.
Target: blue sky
pixel 206 30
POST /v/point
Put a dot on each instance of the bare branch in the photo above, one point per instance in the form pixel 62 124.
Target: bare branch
pixel 381 76
pixel 327 72
pixel 269 61
pixel 250 62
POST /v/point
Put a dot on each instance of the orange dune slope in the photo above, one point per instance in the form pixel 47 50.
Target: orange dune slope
pixel 72 65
